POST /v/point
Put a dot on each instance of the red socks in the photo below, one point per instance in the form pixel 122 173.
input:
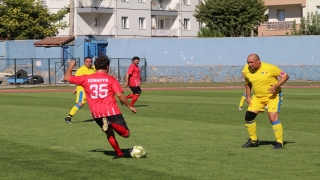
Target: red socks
pixel 122 131
pixel 113 142
pixel 130 96
pixel 134 99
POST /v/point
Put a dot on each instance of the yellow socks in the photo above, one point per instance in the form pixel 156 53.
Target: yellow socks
pixel 252 130
pixel 278 132
pixel 74 110
pixel 243 98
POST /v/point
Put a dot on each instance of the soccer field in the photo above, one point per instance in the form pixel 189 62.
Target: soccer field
pixel 188 134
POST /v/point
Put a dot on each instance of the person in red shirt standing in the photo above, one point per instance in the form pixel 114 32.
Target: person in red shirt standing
pixel 133 80
pixel 100 89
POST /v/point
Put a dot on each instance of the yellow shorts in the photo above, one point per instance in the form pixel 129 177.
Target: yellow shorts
pixel 273 103
pixel 81 96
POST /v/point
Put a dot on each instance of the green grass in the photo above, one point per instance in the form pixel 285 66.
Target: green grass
pixel 192 134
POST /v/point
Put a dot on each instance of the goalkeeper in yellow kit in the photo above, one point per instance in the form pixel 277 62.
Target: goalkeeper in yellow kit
pixel 262 78
pixel 85 69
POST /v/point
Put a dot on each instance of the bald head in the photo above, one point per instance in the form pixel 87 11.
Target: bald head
pixel 253 61
pixel 254 56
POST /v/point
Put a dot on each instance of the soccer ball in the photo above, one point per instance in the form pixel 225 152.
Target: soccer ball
pixel 138 152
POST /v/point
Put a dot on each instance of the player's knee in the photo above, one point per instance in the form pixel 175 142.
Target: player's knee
pixel 127 134
pixel 250 116
pixel 80 104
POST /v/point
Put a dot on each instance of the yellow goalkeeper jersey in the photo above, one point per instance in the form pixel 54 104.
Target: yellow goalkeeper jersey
pixel 83 70
pixel 262 79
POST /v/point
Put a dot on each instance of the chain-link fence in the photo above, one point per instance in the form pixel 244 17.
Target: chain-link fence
pixel 51 70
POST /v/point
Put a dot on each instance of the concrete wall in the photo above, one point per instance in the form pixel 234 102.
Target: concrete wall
pixel 2 53
pixel 220 59
pixel 293 50
pixel 20 49
pixel 48 52
pixel 194 60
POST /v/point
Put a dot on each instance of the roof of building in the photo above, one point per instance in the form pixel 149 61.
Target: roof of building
pixel 54 41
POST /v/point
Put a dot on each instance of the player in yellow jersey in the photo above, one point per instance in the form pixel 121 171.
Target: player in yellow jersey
pixel 85 69
pixel 243 98
pixel 262 78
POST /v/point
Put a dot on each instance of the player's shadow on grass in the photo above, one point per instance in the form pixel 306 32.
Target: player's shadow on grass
pixel 273 143
pixel 141 105
pixel 112 152
pixel 90 120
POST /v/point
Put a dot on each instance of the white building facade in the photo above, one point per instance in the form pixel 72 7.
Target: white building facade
pixel 129 18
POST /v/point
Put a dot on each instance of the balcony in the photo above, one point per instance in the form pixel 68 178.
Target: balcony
pixel 164 8
pixel 278 25
pixel 276 28
pixel 100 30
pixel 95 6
pixel 284 2
pixel 164 32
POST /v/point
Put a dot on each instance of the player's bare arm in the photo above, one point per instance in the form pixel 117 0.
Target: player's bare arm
pixel 68 73
pixel 248 92
pixel 127 80
pixel 124 100
pixel 283 78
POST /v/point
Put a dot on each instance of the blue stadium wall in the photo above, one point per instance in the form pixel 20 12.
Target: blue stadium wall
pixel 220 59
pixel 193 60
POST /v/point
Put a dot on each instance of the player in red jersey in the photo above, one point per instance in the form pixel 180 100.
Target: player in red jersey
pixel 133 80
pixel 100 89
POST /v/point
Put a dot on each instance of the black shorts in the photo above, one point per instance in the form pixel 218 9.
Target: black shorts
pixel 136 89
pixel 117 119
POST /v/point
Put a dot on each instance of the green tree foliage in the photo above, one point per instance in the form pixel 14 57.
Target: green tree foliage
pixel 230 18
pixel 29 19
pixel 309 25
pixel 207 32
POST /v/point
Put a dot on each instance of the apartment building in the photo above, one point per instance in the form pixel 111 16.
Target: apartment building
pixel 282 13
pixel 129 18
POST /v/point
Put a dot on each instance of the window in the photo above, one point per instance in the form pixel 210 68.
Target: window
pixel 281 15
pixel 125 0
pixel 318 9
pixel 161 24
pixel 186 2
pixel 140 1
pixel 142 23
pixel 125 22
pixel 186 24
pixel 95 22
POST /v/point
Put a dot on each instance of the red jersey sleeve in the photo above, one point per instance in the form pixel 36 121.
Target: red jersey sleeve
pixel 130 70
pixel 78 80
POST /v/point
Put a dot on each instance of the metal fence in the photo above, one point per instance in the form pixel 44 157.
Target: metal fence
pixel 51 70
pixel 119 66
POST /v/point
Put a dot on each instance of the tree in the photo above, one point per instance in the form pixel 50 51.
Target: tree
pixel 231 18
pixel 309 25
pixel 29 19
